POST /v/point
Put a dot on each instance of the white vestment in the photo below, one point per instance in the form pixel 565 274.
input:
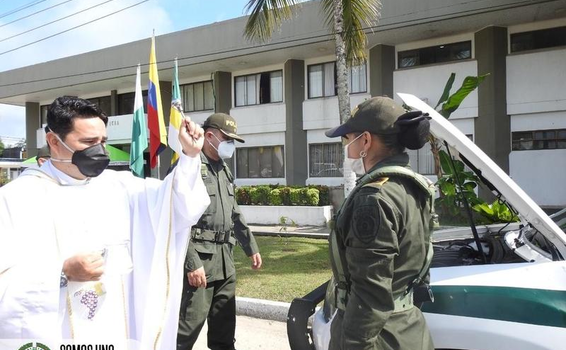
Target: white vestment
pixel 142 226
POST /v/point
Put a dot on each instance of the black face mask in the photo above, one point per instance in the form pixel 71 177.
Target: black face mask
pixel 91 161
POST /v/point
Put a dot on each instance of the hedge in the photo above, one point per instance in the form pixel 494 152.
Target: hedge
pixel 283 195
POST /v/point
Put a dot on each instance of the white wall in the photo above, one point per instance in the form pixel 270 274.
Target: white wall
pixel 261 181
pixel 259 119
pixel 541 175
pixel 538 121
pixel 200 117
pixel 536 100
pixel 428 83
pixel 322 113
pixel 535 82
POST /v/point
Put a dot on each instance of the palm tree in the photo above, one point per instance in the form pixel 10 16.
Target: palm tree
pixel 348 20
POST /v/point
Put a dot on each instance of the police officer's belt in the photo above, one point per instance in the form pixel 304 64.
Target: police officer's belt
pixel 404 301
pixel 220 237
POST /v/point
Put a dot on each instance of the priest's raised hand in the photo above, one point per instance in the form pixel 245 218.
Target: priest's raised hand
pixel 191 137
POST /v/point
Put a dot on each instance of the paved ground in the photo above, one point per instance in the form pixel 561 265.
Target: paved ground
pixel 254 334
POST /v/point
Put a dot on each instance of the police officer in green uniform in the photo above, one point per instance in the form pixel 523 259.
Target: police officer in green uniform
pixel 209 289
pixel 380 245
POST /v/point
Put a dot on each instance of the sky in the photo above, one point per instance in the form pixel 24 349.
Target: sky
pixel 135 23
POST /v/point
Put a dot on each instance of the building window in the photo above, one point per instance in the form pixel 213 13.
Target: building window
pixel 435 54
pixel 539 139
pixel 357 79
pixel 538 39
pixel 259 88
pixel 260 162
pixel 198 96
pixel 126 102
pixel 103 103
pixel 322 79
pixel 326 160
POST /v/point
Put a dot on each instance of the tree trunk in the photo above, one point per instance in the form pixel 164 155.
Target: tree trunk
pixel 342 85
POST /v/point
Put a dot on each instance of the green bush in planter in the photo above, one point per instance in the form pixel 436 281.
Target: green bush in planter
pixel 263 194
pixel 275 197
pixel 285 193
pixel 295 196
pixel 254 196
pixel 312 196
pixel 323 194
pixel 303 196
pixel 243 195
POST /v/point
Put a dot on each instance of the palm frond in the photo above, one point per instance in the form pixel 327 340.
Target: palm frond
pixel 358 16
pixel 265 17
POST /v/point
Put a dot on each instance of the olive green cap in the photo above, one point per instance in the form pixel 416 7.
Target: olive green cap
pixel 378 115
pixel 225 123
pixel 43 152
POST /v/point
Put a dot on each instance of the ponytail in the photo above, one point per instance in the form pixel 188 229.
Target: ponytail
pixel 414 129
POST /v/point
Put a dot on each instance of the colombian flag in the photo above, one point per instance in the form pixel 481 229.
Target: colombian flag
pixel 157 131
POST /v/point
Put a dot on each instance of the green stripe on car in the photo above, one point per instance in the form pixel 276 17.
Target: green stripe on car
pixel 523 305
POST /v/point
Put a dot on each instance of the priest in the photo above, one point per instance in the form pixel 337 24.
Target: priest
pixel 95 256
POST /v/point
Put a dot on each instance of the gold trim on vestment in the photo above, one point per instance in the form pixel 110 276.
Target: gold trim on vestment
pixel 168 272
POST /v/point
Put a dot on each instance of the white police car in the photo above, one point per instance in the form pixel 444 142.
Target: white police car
pixel 513 296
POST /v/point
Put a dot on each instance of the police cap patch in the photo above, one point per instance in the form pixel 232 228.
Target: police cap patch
pixel 366 222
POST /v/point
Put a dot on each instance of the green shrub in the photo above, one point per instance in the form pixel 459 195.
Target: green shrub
pixel 303 196
pixel 243 195
pixel 285 195
pixel 275 197
pixel 295 196
pixel 259 195
pixel 312 196
pixel 323 194
pixel 263 194
pixel 254 196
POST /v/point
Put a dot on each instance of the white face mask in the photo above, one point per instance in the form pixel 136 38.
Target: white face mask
pixel 225 148
pixel 356 164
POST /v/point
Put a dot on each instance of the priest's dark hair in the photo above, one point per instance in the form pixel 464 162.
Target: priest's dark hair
pixel 64 109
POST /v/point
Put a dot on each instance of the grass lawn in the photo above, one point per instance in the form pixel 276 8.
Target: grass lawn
pixel 292 267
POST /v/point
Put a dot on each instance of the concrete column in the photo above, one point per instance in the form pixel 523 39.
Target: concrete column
pixel 493 125
pixel 33 122
pixel 381 66
pixel 222 92
pixel 113 102
pixel 296 166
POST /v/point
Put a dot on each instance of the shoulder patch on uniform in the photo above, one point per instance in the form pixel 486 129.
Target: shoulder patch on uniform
pixel 378 183
pixel 366 222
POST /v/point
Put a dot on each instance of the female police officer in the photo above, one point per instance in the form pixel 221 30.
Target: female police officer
pixel 380 242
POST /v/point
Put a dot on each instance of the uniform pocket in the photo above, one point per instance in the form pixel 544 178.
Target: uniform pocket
pixel 205 247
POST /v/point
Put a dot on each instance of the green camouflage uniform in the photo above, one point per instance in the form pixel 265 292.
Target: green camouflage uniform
pixel 382 236
pixel 212 243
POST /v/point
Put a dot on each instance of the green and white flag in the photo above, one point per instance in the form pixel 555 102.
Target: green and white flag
pixel 175 117
pixel 139 132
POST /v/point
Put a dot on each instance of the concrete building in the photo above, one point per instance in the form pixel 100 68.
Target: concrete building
pixel 283 96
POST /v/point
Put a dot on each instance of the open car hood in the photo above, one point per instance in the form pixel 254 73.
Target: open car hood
pixel 528 211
